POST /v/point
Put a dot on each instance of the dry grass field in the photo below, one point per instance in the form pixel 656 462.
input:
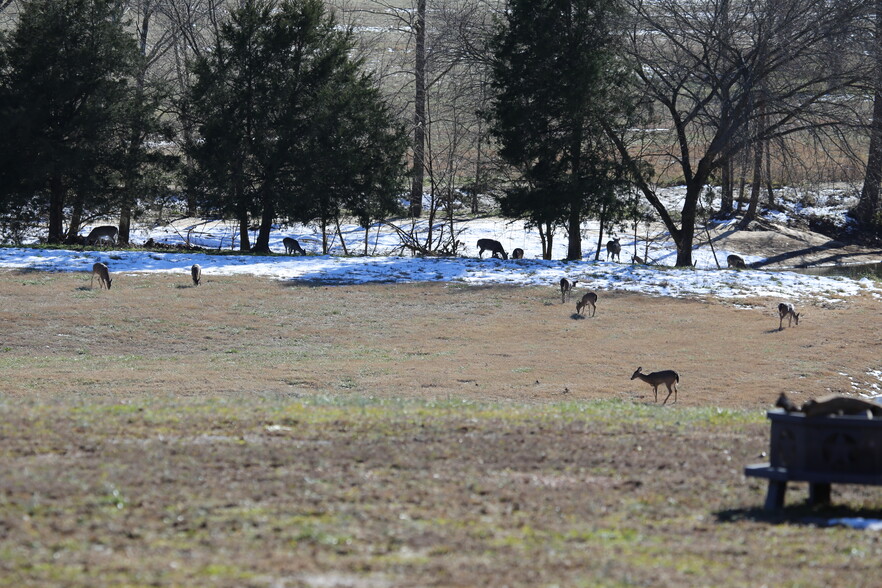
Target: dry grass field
pixel 249 432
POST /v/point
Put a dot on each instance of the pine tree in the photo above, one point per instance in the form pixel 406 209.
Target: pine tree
pixel 555 76
pixel 66 84
pixel 282 112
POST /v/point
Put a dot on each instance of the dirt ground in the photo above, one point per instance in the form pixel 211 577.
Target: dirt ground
pixel 249 432
pixel 155 333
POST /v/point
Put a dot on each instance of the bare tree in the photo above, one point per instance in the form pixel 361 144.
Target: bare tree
pixel 869 205
pixel 716 67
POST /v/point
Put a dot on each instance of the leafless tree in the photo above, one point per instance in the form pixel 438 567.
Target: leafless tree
pixel 729 74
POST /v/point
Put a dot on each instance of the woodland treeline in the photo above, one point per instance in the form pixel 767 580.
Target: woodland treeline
pixel 268 111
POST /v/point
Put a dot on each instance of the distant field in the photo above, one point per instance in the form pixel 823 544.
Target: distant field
pixel 257 433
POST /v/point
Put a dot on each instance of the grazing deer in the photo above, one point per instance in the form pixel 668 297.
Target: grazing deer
pixel 667 377
pixel 196 272
pixel 490 245
pixel 589 299
pixel 100 270
pixel 613 248
pixel 786 309
pixel 736 261
pixel 292 246
pixel 104 233
pixel 566 289
pixel 517 253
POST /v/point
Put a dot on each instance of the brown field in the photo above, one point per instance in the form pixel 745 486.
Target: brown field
pixel 249 432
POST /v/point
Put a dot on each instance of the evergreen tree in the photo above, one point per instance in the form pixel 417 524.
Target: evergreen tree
pixel 64 92
pixel 288 126
pixel 555 76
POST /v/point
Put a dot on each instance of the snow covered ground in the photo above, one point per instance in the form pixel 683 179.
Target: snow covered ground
pixel 388 262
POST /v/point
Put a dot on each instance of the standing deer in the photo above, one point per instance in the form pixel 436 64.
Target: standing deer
pixel 566 289
pixel 613 248
pixel 589 299
pixel 196 272
pixel 100 270
pixel 736 261
pixel 490 245
pixel 517 253
pixel 292 246
pixel 667 377
pixel 103 233
pixel 786 309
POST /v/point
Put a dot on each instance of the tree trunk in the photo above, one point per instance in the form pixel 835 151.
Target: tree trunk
pixel 574 226
pixel 868 205
pixel 76 217
pixel 419 115
pixel 755 186
pixel 244 239
pixel 56 210
pixel 685 236
pixel 726 191
pixel 266 226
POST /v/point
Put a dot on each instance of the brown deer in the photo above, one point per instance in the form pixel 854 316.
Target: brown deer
pixel 494 247
pixel 736 261
pixel 613 248
pixel 517 253
pixel 104 233
pixel 196 272
pixel 292 245
pixel 104 280
pixel 667 377
pixel 786 309
pixel 566 289
pixel 589 299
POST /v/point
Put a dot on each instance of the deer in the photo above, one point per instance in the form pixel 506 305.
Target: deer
pixel 667 377
pixel 613 248
pixel 196 272
pixel 104 280
pixel 566 289
pixel 103 233
pixel 736 261
pixel 517 253
pixel 490 245
pixel 786 309
pixel 292 246
pixel 636 259
pixel 589 299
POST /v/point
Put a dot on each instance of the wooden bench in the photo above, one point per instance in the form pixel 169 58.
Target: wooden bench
pixel 822 451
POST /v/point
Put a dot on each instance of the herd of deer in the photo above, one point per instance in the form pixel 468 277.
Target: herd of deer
pixel 669 378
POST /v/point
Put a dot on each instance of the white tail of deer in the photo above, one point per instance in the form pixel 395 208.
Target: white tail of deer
pixel 667 377
pixel 786 309
pixel 196 272
pixel 100 270
pixel 566 289
pixel 613 248
pixel 104 233
pixel 589 299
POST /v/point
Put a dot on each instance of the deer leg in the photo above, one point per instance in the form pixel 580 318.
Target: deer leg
pixel 669 395
pixel 655 389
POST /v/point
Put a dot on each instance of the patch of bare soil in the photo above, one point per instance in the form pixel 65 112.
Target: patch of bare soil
pixel 155 333
pixel 248 432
